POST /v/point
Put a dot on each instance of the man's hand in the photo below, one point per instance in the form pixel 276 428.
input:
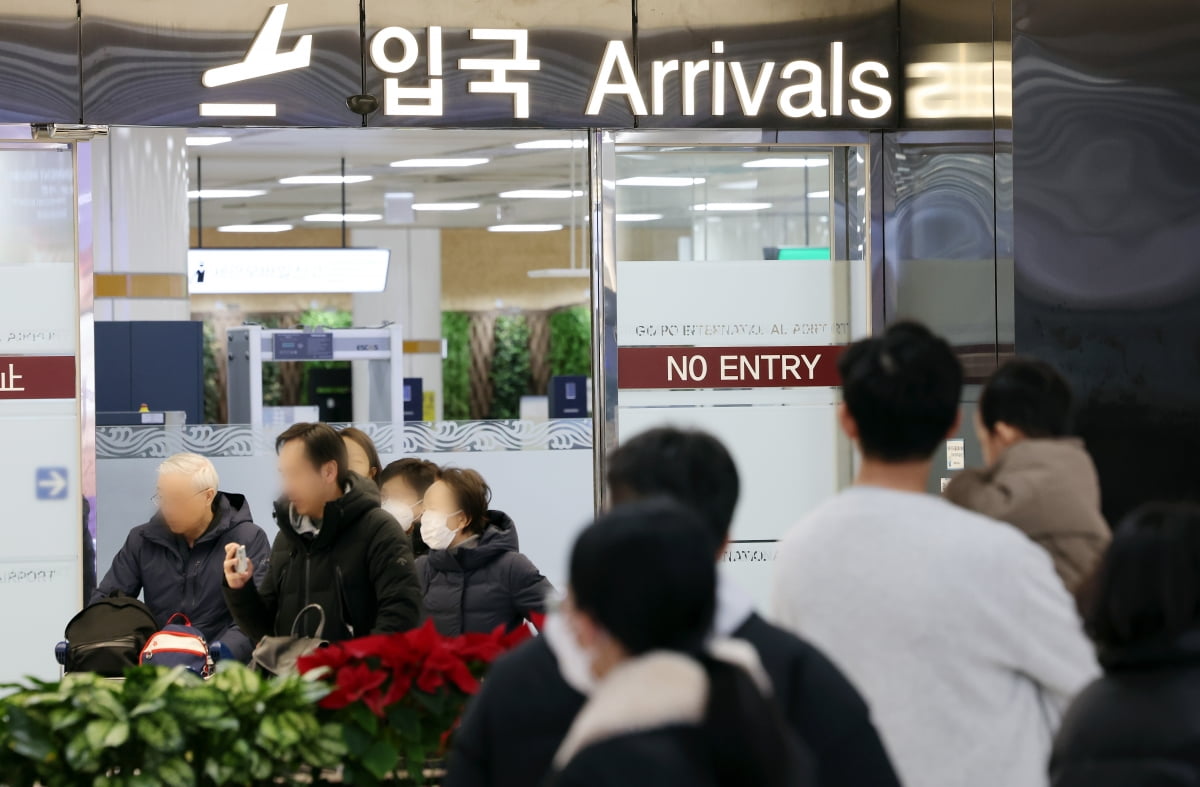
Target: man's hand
pixel 232 578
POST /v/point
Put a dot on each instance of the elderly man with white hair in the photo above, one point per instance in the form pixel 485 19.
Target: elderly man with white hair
pixel 176 558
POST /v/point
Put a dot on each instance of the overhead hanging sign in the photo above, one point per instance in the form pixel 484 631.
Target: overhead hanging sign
pixel 249 271
pixel 304 63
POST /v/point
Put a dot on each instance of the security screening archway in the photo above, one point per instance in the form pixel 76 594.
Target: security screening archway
pixel 251 346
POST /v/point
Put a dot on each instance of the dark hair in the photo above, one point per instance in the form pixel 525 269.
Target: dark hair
pixel 364 442
pixel 1147 588
pixel 902 390
pixel 692 467
pixel 473 495
pixel 1029 395
pixel 417 473
pixel 321 443
pixel 645 572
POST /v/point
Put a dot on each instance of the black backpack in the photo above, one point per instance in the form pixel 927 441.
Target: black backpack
pixel 107 636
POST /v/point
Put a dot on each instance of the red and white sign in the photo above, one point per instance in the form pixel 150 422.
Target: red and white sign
pixel 37 377
pixel 727 367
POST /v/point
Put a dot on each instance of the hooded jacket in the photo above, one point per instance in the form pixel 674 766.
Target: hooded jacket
pixel 483 583
pixel 357 566
pixel 176 578
pixel 1049 490
pixel 1139 725
pixel 513 727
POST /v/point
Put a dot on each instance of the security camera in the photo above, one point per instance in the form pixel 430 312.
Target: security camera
pixel 362 104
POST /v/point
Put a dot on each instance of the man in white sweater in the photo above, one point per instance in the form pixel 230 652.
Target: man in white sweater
pixel 953 626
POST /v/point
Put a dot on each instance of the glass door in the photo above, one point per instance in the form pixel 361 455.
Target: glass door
pixel 740 273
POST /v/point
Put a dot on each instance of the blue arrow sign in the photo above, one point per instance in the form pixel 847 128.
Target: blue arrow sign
pixel 51 483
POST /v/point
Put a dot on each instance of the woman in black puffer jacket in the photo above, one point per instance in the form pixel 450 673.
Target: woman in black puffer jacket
pixel 474 577
pixel 1139 725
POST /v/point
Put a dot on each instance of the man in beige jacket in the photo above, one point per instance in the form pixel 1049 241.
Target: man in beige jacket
pixel 1037 478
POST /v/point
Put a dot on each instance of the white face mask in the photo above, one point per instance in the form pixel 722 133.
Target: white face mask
pixel 435 531
pixel 574 663
pixel 402 511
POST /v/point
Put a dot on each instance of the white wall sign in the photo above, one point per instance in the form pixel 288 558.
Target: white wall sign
pixel 249 271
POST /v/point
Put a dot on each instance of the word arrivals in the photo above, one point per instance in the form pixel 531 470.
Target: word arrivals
pixel 726 367
pixel 805 98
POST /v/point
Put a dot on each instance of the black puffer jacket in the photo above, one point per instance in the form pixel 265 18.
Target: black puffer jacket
pixel 1139 725
pixel 483 583
pixel 358 567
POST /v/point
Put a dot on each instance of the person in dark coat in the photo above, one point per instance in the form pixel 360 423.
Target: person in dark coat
pixel 336 548
pixel 403 485
pixel 176 558
pixel 1139 724
pixel 671 707
pixel 512 728
pixel 474 577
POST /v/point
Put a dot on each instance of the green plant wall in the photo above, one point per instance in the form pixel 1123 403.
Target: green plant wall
pixel 511 367
pixel 456 367
pixel 571 341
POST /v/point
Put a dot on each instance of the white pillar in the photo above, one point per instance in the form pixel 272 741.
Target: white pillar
pixel 140 215
pixel 413 298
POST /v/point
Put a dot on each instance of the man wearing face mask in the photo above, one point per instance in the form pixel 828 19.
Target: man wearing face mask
pixel 474 578
pixel 403 485
pixel 336 547
pixel 513 728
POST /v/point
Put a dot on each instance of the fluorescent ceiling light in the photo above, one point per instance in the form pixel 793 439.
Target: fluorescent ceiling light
pixel 524 227
pixel 255 228
pixel 785 163
pixel 639 216
pixel 560 273
pixel 321 180
pixel 552 144
pixel 445 206
pixel 659 180
pixel 540 194
pixel 199 142
pixel 440 162
pixel 731 206
pixel 818 195
pixel 739 185
pixel 225 193
pixel 340 217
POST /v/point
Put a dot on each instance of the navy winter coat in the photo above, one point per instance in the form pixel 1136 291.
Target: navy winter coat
pixel 482 584
pixel 175 578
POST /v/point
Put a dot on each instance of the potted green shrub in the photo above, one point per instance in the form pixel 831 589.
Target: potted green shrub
pixel 165 727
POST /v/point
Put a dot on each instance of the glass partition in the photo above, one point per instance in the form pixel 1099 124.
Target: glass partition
pixel 741 273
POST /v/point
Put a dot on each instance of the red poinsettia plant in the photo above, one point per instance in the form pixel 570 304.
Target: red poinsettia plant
pixel 399 696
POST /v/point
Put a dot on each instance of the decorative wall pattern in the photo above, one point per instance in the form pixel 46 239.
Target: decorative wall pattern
pixel 156 442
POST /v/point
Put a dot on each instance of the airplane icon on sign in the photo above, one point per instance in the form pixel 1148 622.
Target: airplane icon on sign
pixel 263 58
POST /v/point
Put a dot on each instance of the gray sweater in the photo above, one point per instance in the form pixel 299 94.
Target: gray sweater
pixel 953 626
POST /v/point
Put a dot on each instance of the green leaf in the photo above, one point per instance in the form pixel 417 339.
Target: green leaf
pixel 416 758
pixel 361 715
pixel 405 721
pixel 160 731
pixel 380 759
pixel 175 772
pixel 27 739
pixel 106 733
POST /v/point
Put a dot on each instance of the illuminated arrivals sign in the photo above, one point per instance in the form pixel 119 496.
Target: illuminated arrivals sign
pixel 833 85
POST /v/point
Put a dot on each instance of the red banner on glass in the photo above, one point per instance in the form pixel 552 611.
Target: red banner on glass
pixel 37 377
pixel 727 367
